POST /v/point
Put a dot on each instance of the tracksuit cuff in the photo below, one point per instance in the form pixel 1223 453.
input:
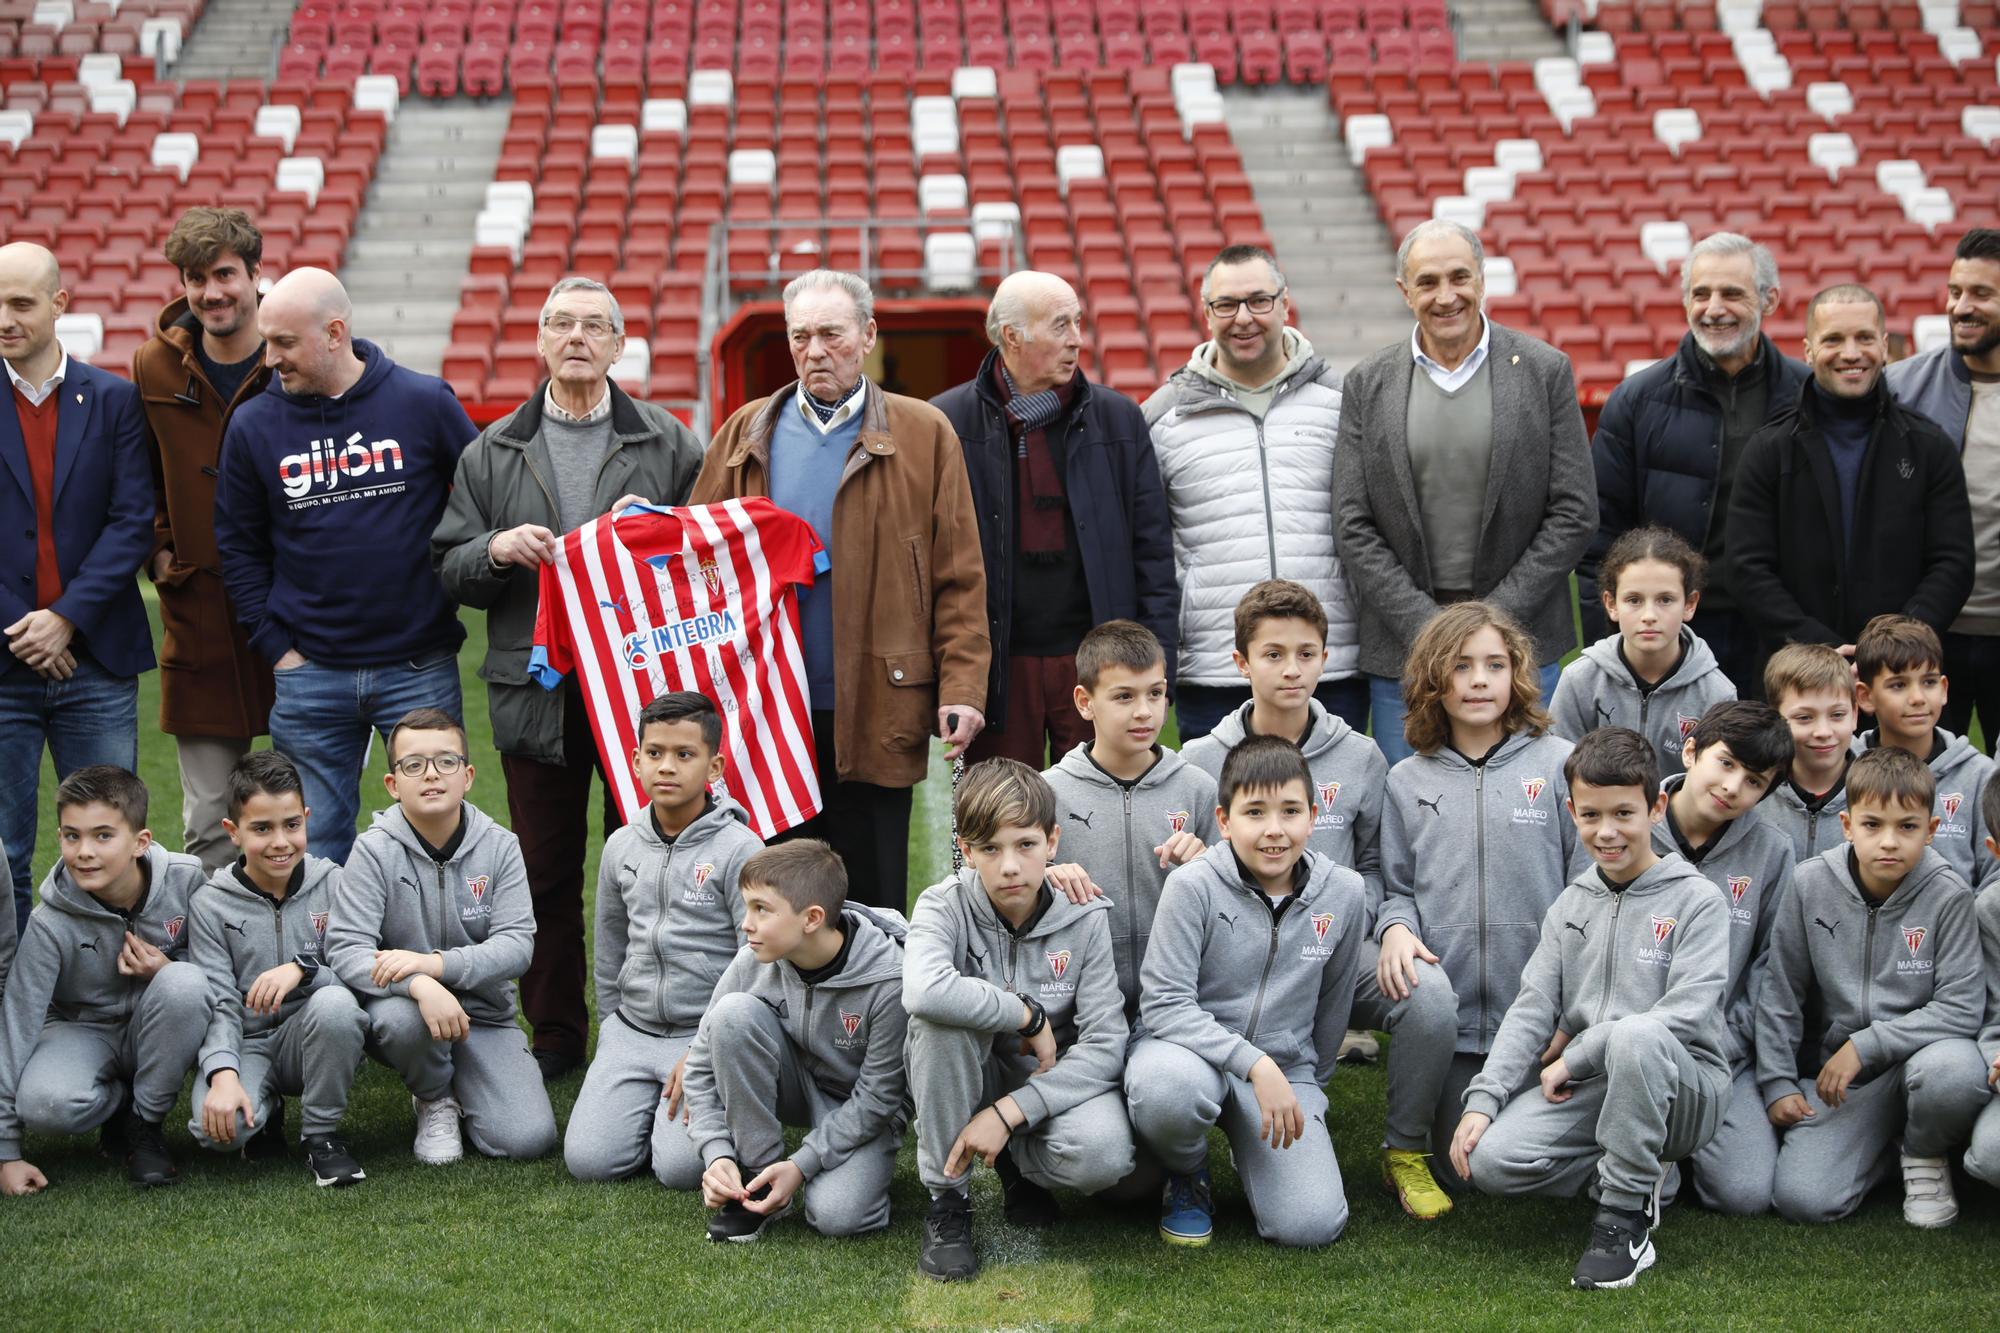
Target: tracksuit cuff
pixel 806 1159
pixel 1034 1107
pixel 1484 1103
pixel 1240 1060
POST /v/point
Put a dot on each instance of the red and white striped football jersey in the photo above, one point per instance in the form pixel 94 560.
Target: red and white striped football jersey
pixel 701 597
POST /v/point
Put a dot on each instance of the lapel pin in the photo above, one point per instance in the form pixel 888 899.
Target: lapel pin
pixel 1516 360
pixel 79 398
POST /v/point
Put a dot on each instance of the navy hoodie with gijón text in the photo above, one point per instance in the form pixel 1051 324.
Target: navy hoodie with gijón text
pixel 324 511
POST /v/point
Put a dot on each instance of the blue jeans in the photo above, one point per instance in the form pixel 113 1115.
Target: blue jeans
pixel 321 718
pixel 91 718
pixel 1199 709
pixel 1385 703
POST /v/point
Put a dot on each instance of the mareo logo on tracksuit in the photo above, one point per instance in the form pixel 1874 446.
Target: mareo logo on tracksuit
pixel 319 924
pixel 1532 813
pixel 853 1037
pixel 174 925
pixel 1058 963
pixel 1913 939
pixel 1688 724
pixel 1177 820
pixel 1660 954
pixel 1322 926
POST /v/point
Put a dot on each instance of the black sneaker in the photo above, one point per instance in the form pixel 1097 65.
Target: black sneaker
pixel 1621 1248
pixel 147 1161
pixel 734 1222
pixel 330 1162
pixel 268 1143
pixel 948 1255
pixel 1022 1201
pixel 111 1134
pixel 555 1064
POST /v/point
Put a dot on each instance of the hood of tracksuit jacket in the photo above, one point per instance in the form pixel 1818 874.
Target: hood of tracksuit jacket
pixel 1751 862
pixel 1812 831
pixel 681 922
pixel 1348 774
pixel 1482 933
pixel 1961 772
pixel 1061 960
pixel 239 934
pixel 414 916
pixel 1257 974
pixel 1091 809
pixel 1659 945
pixel 1845 994
pixel 1599 690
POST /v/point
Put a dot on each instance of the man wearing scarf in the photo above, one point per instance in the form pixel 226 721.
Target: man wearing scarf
pixel 1073 519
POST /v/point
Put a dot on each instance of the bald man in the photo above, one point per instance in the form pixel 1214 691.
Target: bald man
pixel 1072 517
pixel 333 480
pixel 76 522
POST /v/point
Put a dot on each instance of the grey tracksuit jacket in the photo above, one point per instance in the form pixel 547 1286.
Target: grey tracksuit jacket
pixel 1811 831
pixel 1751 862
pixel 1234 977
pixel 1961 774
pixel 1599 690
pixel 668 918
pixel 963 968
pixel 1348 774
pixel 1660 947
pixel 1472 856
pixel 67 965
pixel 474 910
pixel 1987 908
pixel 1892 977
pixel 862 1067
pixel 239 934
pixel 1111 830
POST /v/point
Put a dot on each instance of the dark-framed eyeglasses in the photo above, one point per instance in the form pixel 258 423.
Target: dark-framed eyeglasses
pixel 1260 303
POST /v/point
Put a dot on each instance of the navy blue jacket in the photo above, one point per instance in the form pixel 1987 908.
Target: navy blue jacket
pixel 1657 447
pixel 324 514
pixel 1112 482
pixel 103 517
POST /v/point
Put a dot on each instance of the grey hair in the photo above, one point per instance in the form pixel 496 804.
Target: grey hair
pixel 1240 254
pixel 832 279
pixel 1763 267
pixel 1435 227
pixel 587 285
pixel 1008 311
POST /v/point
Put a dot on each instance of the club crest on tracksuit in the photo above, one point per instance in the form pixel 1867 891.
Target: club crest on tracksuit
pixel 477 885
pixel 174 925
pixel 1913 940
pixel 698 894
pixel 1532 788
pixel 1688 724
pixel 851 1033
pixel 1913 936
pixel 1322 926
pixel 1659 954
pixel 319 924
pixel 1738 886
pixel 1058 963
pixel 1663 926
pixel 1177 820
pixel 1328 793
pixel 1532 812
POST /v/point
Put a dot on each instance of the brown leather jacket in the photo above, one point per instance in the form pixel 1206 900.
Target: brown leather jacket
pixel 212 682
pixel 909 592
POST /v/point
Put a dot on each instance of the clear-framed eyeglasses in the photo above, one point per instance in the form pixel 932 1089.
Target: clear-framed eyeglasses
pixel 597 330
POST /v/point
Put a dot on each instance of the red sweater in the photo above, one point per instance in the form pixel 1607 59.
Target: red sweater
pixel 38 432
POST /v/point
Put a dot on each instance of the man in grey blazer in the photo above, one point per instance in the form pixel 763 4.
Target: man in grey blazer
pixel 1462 471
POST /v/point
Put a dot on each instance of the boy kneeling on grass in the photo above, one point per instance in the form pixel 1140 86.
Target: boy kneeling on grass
pixel 1017 1026
pixel 103 1015
pixel 1621 1006
pixel 805 1028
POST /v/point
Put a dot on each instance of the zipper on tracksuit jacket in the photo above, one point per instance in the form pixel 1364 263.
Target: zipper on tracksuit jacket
pixel 1868 966
pixel 1610 958
pixel 660 936
pixel 1479 818
pixel 1132 910
pixel 1277 911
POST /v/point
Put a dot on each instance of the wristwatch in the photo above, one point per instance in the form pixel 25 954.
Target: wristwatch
pixel 1038 1022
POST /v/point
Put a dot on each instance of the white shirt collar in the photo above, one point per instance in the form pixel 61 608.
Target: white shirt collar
pixel 600 410
pixel 39 394
pixel 849 407
pixel 1465 370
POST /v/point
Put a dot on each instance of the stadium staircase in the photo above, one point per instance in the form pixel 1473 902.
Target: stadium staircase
pixel 236 39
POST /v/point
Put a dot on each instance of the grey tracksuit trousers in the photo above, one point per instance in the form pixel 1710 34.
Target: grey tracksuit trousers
pixel 496 1081
pixel 764 1086
pixel 1982 1159
pixel 955 1071
pixel 77 1075
pixel 1424 1031
pixel 312 1055
pixel 619 1125
pixel 1733 1172
pixel 1295 1193
pixel 1829 1161
pixel 1654 1103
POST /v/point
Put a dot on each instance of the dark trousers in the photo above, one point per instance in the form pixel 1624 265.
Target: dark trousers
pixel 1738 650
pixel 549 806
pixel 1972 663
pixel 1042 722
pixel 1199 708
pixel 868 825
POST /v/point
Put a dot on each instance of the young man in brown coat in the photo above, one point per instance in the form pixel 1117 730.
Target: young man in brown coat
pixel 207 356
pixel 894 634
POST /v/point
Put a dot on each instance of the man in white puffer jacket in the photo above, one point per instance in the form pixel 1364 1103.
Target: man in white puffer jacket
pixel 1244 434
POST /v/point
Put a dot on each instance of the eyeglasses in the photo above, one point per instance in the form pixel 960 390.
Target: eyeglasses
pixel 1225 307
pixel 413 765
pixel 564 325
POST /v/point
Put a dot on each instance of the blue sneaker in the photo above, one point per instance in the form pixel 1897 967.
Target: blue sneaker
pixel 1187 1213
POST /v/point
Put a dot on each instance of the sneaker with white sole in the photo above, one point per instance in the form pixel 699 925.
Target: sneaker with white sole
pixel 438 1141
pixel 1359 1047
pixel 1621 1248
pixel 1928 1200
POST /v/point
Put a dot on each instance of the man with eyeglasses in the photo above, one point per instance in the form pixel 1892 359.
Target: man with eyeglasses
pixel 1072 518
pixel 1244 434
pixel 579 447
pixel 332 480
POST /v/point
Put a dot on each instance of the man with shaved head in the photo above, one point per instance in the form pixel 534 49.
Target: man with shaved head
pixel 1072 518
pixel 333 480
pixel 76 522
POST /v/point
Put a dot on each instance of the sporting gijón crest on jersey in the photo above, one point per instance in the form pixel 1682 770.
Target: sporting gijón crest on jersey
pixel 699 597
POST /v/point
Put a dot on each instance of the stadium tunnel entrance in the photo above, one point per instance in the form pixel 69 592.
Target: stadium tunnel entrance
pixel 922 347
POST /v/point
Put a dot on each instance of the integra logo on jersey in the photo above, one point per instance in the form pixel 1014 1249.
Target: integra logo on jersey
pixel 323 463
pixel 642 646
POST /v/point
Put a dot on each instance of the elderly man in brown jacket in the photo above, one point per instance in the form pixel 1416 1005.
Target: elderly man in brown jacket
pixel 894 634
pixel 207 356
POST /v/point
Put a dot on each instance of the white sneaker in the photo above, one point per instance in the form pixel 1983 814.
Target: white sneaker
pixel 438 1142
pixel 1359 1047
pixel 1927 1197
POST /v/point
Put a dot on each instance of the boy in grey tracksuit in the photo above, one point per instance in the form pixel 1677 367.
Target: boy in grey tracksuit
pixel 1812 823
pixel 466 901
pixel 1982 1158
pixel 1962 773
pixel 1600 689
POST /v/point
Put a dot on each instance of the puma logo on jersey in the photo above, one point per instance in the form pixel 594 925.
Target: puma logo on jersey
pixel 1431 805
pixel 230 925
pixel 1082 819
pixel 1830 930
pixel 1571 925
pixel 87 944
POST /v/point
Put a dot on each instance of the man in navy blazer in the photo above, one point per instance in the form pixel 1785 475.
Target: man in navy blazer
pixel 76 522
